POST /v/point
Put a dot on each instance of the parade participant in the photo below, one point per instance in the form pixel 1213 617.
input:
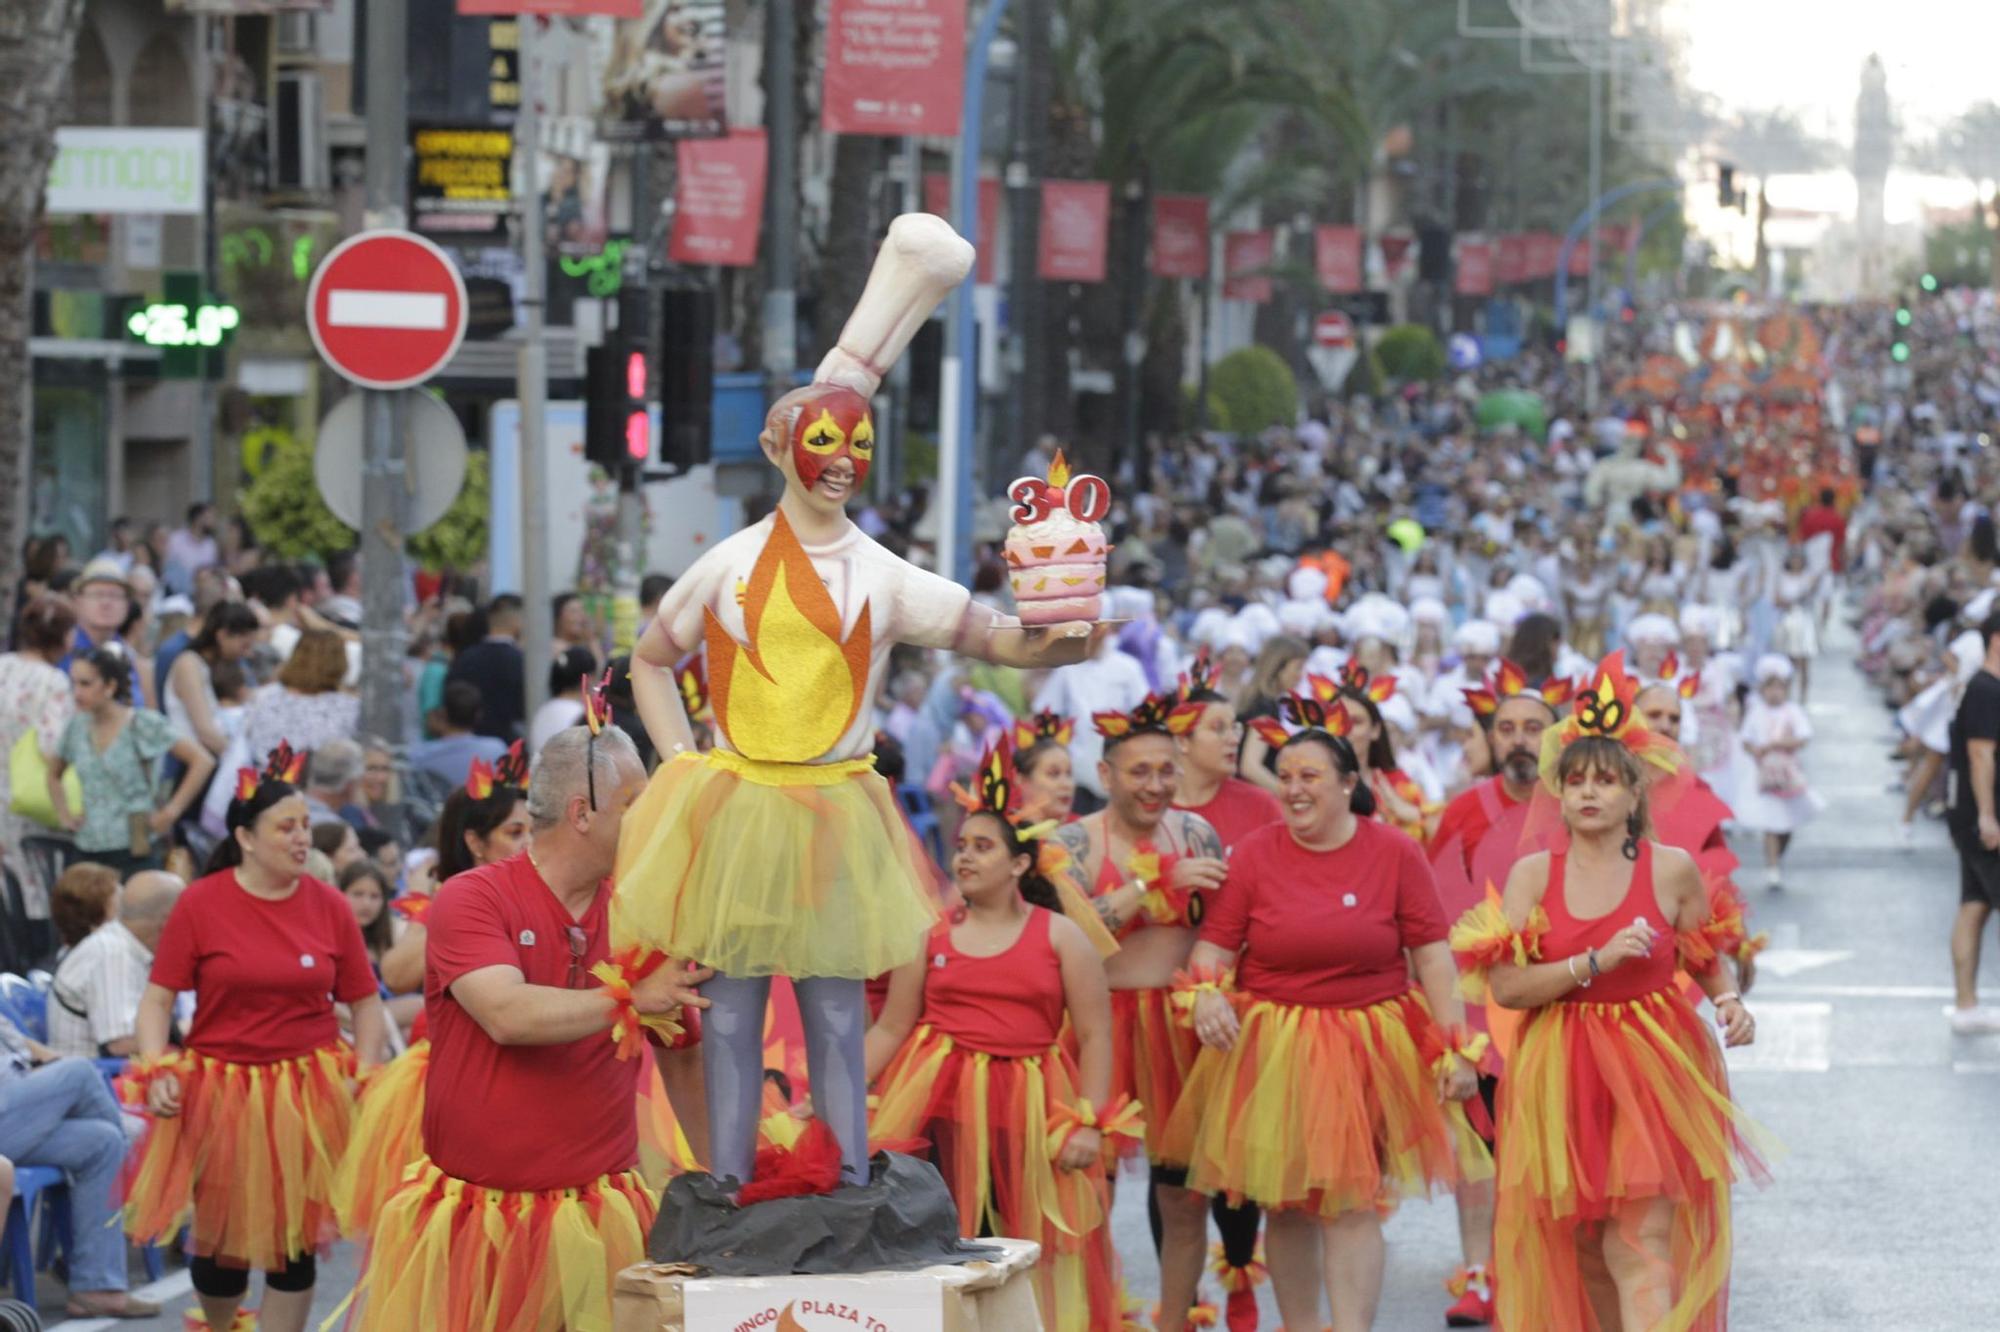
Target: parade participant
pixel 249 1123
pixel 1326 1089
pixel 1152 869
pixel 1617 1137
pixel 528 1203
pixel 968 1055
pixel 1398 799
pixel 781 852
pixel 1277 672
pixel 1775 731
pixel 1714 748
pixel 490 823
pixel 1235 809
pixel 1042 759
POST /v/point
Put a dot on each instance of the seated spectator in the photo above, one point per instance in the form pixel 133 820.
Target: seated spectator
pixel 59 1113
pixel 564 708
pixel 449 757
pixel 384 852
pixel 337 840
pixel 305 705
pixel 368 892
pixel 333 783
pixel 109 934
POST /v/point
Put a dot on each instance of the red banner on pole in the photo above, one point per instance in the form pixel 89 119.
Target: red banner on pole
pixel 1579 256
pixel 1510 264
pixel 1544 249
pixel 1396 251
pixel 1076 215
pixel 1245 256
pixel 1475 267
pixel 894 67
pixel 937 199
pixel 719 200
pixel 1337 257
pixel 1180 236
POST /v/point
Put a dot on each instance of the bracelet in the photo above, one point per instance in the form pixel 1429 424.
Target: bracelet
pixel 1595 972
pixel 628 1025
pixel 1581 982
pixel 1727 997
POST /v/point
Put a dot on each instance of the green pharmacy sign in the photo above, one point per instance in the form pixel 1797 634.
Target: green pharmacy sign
pixel 180 326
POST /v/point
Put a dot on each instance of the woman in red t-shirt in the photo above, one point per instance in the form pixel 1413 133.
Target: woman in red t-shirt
pixel 484 821
pixel 1618 1140
pixel 968 1054
pixel 1325 1089
pixel 250 1121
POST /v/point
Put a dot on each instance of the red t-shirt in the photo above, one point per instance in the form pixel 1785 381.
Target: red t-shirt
pixel 264 974
pixel 1238 809
pixel 520 1117
pixel 1326 928
pixel 1821 519
pixel 1468 819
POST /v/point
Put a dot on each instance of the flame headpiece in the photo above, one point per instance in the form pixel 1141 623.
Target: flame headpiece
pixel 1510 681
pixel 1606 707
pixel 1157 714
pixel 1317 708
pixel 284 764
pixel 1050 726
pixel 509 772
pixel 1204 677
pixel 1356 680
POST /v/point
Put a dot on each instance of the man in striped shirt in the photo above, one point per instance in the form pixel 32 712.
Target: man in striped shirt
pixel 94 1002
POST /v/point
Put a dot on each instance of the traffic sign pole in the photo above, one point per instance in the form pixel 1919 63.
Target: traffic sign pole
pixel 382 508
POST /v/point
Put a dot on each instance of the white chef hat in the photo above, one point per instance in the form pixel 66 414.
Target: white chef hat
pixel 1429 610
pixel 1773 666
pixel 1528 590
pixel 1257 622
pixel 1129 603
pixel 1205 631
pixel 1504 609
pixel 1479 637
pixel 1301 619
pixel 1306 584
pixel 1397 712
pixel 1376 616
pixel 1704 622
pixel 1652 628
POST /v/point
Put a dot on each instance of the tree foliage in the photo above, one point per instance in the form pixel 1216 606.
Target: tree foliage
pixel 1256 390
pixel 1410 353
pixel 458 540
pixel 285 511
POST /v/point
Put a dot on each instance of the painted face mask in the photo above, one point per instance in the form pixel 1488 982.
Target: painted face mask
pixel 833 423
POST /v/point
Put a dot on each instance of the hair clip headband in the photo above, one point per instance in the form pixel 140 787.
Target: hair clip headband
pixel 510 769
pixel 1357 680
pixel 1205 676
pixel 1033 730
pixel 1510 681
pixel 1160 714
pixel 284 764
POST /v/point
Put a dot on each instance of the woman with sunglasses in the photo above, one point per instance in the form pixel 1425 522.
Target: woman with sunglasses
pixel 249 1122
pixel 484 822
pixel 1326 1089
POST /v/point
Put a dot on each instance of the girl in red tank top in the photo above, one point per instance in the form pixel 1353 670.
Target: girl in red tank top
pixel 1617 1138
pixel 967 1056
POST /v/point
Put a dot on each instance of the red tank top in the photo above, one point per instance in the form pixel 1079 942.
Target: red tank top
pixel 1567 935
pixel 1010 1004
pixel 1111 876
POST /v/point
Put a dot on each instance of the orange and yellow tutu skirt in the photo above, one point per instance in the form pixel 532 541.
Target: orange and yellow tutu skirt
pixel 1327 1110
pixel 1152 1053
pixel 772 869
pixel 996 1125
pixel 449 1256
pixel 251 1158
pixel 388 1138
pixel 1604 1107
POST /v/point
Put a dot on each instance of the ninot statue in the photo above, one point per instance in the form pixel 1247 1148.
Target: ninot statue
pixel 781 852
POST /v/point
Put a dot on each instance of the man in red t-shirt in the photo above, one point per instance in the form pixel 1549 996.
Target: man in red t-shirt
pixel 1823 519
pixel 1209 787
pixel 530 1112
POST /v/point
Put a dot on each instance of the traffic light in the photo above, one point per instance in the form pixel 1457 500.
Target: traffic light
pixel 618 381
pixel 1899 345
pixel 1725 186
pixel 1928 282
pixel 687 375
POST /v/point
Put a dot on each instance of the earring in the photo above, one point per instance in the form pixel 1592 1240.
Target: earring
pixel 1632 829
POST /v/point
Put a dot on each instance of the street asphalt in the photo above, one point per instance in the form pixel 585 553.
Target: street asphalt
pixel 1882 1213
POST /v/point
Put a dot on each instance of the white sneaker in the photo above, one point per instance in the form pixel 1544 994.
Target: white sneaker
pixel 1774 877
pixel 1976 1021
pixel 1906 835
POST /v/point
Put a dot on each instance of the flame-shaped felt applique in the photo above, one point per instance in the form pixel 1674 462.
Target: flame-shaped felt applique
pixel 1058 471
pixel 1270 730
pixel 1160 713
pixel 596 707
pixel 791 691
pixel 1670 665
pixel 1031 731
pixel 479 779
pixel 1205 676
pixel 1317 714
pixel 694 689
pixel 1606 705
pixel 512 769
pixel 246 783
pixel 1557 692
pixel 1357 680
pixel 1510 681
pixel 995 790
pixel 286 764
pixel 1690 684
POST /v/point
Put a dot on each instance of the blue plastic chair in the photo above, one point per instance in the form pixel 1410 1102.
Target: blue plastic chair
pixel 33 1185
pixel 25 1006
pixel 916 804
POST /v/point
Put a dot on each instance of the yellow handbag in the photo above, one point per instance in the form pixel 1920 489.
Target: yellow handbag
pixel 28 783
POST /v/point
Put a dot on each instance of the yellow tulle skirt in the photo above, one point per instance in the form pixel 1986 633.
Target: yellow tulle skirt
pixel 249 1161
pixel 1152 1053
pixel 1324 1110
pixel 1607 1110
pixel 448 1256
pixel 772 869
pixel 388 1138
pixel 996 1125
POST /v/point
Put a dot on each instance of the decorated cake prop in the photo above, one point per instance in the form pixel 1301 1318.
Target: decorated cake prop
pixel 1055 550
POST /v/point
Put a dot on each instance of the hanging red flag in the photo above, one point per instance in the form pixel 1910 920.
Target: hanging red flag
pixel 1076 215
pixel 1510 264
pixel 1396 251
pixel 1337 257
pixel 894 67
pixel 1245 256
pixel 1475 266
pixel 719 199
pixel 1180 236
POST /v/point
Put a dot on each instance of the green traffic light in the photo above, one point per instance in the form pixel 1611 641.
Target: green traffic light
pixel 1902 318
pixel 1900 352
pixel 1928 282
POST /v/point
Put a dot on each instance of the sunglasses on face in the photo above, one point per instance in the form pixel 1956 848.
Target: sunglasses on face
pixel 579 944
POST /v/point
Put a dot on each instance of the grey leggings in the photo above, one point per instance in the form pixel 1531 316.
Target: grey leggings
pixel 835 1013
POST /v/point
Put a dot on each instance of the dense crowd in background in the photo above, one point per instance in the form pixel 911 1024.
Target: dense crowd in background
pixel 1716 541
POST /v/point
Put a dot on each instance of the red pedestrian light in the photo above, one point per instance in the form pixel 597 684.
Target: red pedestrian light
pixel 635 375
pixel 638 435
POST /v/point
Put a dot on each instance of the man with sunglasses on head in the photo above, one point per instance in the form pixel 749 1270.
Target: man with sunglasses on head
pixel 530 1112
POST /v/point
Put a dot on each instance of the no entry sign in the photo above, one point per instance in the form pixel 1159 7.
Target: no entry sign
pixel 386 309
pixel 1333 329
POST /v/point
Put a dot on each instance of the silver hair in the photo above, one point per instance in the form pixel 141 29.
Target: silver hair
pixel 559 775
pixel 335 765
